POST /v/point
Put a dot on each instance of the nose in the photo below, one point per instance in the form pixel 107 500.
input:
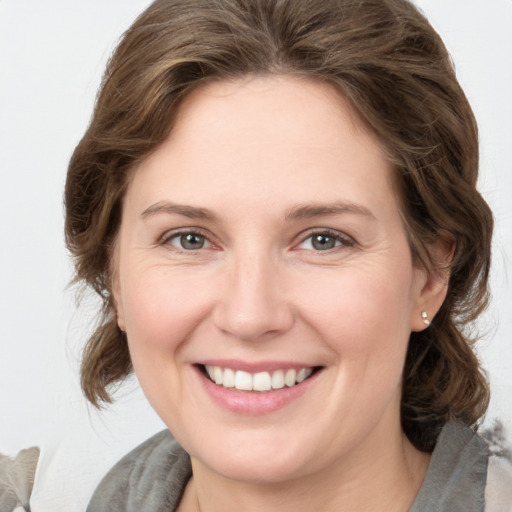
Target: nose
pixel 253 304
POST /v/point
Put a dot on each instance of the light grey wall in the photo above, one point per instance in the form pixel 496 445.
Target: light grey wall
pixel 52 54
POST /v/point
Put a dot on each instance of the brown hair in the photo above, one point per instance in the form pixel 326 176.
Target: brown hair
pixel 394 69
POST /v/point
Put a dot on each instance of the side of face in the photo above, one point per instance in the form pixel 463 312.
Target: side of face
pixel 265 236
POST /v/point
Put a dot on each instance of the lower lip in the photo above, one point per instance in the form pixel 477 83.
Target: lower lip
pixel 254 403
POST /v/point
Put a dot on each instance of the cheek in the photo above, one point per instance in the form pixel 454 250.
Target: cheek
pixel 364 318
pixel 161 310
pixel 359 301
pixel 369 332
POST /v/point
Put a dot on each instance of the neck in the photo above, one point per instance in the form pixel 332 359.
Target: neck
pixel 386 476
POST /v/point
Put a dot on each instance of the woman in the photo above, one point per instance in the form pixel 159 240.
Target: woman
pixel 276 201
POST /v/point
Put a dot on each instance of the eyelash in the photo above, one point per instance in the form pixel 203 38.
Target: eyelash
pixel 344 240
pixel 167 238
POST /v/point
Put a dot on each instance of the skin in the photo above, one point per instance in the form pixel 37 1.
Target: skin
pixel 253 152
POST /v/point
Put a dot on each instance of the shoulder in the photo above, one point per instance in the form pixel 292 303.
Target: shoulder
pixel 150 477
pixel 456 477
pixel 481 466
pixel 498 490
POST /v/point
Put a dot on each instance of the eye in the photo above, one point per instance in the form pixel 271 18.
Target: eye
pixel 189 241
pixel 324 241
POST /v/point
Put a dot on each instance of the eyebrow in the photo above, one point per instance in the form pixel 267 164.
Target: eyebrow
pixel 298 212
pixel 320 209
pixel 166 207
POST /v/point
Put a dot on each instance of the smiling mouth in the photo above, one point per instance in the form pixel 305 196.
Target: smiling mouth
pixel 260 381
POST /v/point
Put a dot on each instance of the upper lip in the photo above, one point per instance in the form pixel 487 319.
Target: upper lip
pixel 255 366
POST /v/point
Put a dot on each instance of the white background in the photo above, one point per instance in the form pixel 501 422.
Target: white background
pixel 52 55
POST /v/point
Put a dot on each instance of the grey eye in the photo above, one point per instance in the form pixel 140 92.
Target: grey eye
pixel 189 241
pixel 322 242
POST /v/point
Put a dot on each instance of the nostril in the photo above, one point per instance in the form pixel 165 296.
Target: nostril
pixel 253 322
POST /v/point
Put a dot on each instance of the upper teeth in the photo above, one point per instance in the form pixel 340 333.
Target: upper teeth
pixel 261 381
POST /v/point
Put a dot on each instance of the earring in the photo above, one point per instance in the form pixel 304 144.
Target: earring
pixel 426 321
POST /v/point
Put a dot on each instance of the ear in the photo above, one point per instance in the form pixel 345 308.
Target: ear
pixel 432 285
pixel 116 289
pixel 118 305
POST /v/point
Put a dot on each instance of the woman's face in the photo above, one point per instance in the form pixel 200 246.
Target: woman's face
pixel 262 242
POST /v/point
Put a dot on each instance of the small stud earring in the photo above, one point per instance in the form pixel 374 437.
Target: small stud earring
pixel 426 321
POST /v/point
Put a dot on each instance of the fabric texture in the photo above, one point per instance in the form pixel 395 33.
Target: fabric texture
pixel 150 478
pixel 17 480
pixel 457 474
pixel 154 475
pixel 498 492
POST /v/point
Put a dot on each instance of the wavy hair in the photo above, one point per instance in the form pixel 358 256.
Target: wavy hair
pixel 393 68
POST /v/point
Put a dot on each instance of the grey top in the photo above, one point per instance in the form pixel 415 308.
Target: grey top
pixel 154 475
pixel 150 478
pixel 457 474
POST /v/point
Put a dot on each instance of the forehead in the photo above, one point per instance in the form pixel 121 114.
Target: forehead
pixel 298 107
pixel 281 136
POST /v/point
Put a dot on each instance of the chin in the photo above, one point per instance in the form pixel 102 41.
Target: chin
pixel 265 466
pixel 265 453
